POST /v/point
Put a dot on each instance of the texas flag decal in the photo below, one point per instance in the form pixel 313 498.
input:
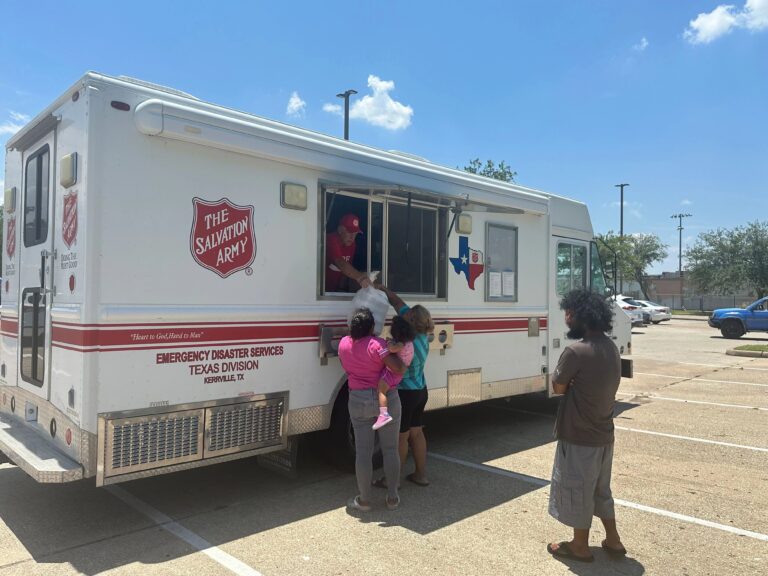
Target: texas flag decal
pixel 470 261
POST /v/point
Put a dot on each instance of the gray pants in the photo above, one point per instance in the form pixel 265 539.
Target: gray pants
pixel 363 411
pixel 581 484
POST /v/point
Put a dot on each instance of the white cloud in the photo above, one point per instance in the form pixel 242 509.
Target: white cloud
pixel 9 128
pixel 642 45
pixel 334 109
pixel 756 14
pixel 686 202
pixel 19 117
pixel 296 106
pixel 709 26
pixel 13 125
pixel 379 109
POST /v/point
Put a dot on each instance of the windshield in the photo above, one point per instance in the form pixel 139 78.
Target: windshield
pixel 598 283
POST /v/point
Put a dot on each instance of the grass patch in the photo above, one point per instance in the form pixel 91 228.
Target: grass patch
pixel 690 313
pixel 753 347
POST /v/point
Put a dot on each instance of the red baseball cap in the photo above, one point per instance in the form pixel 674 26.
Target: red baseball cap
pixel 351 223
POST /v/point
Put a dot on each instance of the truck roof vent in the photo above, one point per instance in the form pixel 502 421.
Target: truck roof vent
pixel 157 87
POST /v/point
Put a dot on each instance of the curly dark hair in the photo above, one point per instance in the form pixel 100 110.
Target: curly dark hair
pixel 588 309
pixel 402 330
pixel 361 324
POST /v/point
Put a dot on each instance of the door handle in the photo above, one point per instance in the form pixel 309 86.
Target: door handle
pixel 43 255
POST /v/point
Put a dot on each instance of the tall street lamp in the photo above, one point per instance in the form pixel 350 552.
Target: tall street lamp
pixel 346 96
pixel 680 251
pixel 621 226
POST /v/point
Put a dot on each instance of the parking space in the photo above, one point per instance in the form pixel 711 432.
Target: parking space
pixel 690 470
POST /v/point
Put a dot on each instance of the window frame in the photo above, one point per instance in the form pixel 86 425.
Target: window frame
pixel 36 344
pixel 41 235
pixel 381 194
pixel 487 263
pixel 587 271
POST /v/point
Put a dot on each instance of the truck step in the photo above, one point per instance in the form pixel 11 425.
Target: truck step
pixel 33 454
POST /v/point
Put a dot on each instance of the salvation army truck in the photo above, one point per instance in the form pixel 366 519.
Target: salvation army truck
pixel 164 303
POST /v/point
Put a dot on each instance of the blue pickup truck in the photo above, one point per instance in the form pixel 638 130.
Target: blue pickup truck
pixel 735 322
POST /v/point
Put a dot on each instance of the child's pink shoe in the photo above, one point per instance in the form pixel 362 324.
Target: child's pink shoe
pixel 382 420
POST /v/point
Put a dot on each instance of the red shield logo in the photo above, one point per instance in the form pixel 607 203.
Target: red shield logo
pixel 69 220
pixel 10 238
pixel 222 237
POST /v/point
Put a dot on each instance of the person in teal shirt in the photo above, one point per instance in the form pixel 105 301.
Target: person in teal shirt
pixel 413 389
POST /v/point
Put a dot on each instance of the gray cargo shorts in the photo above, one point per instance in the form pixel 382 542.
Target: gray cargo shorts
pixel 581 484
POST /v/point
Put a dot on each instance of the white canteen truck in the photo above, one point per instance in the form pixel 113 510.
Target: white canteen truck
pixel 164 297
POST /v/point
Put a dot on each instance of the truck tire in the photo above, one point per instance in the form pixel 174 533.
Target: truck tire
pixel 342 436
pixel 732 329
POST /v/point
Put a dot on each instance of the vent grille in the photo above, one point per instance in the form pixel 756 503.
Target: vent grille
pixel 244 426
pixel 149 442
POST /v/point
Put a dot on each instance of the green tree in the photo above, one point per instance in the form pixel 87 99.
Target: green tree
pixel 724 261
pixel 490 169
pixel 635 253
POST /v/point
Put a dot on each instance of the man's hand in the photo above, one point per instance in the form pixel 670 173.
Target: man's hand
pixel 364 281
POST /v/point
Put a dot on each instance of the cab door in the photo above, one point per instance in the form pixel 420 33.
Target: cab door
pixel 35 245
pixel 570 271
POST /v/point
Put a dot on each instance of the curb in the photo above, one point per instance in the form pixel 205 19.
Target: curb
pixel 750 353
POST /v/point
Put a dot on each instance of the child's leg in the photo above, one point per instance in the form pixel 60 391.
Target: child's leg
pixel 384 417
pixel 383 389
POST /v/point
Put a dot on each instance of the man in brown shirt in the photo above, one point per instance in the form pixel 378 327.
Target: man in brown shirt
pixel 588 374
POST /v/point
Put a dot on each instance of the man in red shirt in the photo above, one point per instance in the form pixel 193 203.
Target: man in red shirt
pixel 339 252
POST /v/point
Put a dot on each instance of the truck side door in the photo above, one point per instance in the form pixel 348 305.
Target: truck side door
pixel 35 244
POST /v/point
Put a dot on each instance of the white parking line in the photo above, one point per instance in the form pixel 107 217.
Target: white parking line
pixel 734 366
pixel 692 439
pixel 167 523
pixel 640 431
pixel 705 380
pixel 668 399
pixel 642 507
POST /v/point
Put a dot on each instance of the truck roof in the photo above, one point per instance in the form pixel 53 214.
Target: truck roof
pixel 493 192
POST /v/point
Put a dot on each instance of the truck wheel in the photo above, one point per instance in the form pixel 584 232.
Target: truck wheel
pixel 732 329
pixel 342 436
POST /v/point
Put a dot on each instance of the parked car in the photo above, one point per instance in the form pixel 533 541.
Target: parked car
pixel 735 322
pixel 658 312
pixel 628 304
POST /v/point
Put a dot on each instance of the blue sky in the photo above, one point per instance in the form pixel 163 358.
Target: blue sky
pixel 576 96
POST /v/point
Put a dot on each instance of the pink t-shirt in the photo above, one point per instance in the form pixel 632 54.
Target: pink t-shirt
pixel 362 360
pixel 406 355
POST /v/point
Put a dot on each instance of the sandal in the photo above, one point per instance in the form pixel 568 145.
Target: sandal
pixel 355 504
pixel 564 551
pixel 412 478
pixel 393 504
pixel 613 551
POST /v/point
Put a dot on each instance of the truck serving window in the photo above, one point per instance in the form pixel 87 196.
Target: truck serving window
pixel 398 239
pixel 571 267
pixel 36 198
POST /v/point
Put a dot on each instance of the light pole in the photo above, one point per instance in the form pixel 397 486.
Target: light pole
pixel 346 96
pixel 621 222
pixel 621 227
pixel 680 217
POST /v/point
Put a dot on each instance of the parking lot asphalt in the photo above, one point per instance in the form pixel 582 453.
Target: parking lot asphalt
pixel 689 478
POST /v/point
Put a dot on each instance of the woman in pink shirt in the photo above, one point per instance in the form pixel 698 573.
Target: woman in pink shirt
pixel 363 357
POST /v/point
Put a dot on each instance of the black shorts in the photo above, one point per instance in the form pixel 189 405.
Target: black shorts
pixel 413 402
